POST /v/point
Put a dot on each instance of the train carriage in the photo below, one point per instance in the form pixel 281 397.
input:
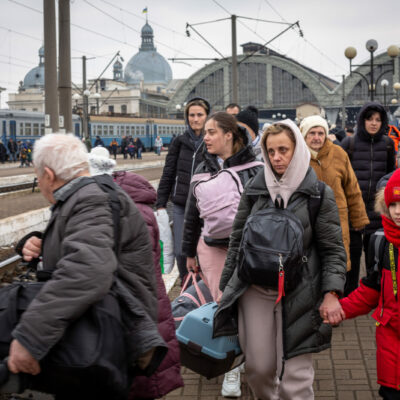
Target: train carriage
pixel 29 126
pixel 108 128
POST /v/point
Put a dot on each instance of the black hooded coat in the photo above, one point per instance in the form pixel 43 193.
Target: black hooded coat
pixel 372 157
pixel 182 160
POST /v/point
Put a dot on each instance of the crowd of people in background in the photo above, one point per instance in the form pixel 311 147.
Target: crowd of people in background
pixel 14 151
pixel 336 188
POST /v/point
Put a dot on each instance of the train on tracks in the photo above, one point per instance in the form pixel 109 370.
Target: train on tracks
pixel 28 126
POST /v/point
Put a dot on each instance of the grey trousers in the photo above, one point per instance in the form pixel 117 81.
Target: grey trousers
pixel 260 336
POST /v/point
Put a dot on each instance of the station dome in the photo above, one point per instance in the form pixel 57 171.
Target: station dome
pixel 148 65
pixel 35 77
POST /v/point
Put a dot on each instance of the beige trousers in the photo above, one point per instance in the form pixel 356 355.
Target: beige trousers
pixel 260 336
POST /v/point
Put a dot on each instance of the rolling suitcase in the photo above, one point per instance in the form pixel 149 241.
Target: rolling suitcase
pixel 199 351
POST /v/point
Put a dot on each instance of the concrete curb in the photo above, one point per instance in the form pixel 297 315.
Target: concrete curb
pixel 27 178
pixel 14 228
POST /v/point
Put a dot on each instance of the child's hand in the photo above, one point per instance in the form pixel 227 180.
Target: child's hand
pixel 331 311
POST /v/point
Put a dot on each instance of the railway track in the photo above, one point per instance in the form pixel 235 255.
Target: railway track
pixel 18 187
pixel 8 269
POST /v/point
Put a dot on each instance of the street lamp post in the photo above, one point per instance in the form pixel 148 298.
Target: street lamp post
pixel 384 84
pixel 86 94
pixel 396 87
pixel 372 45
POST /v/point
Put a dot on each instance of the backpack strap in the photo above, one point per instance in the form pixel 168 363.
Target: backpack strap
pixel 314 203
pixel 350 150
pixel 379 249
pixel 236 168
pixel 107 185
pixel 249 165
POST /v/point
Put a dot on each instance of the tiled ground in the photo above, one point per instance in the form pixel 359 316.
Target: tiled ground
pixel 345 372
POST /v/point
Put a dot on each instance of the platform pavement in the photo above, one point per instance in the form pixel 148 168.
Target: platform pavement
pixel 347 371
pixel 146 156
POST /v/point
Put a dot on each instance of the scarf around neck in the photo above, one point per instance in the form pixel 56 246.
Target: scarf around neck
pixel 392 231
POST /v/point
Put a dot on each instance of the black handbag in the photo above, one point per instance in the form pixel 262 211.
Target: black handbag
pixel 91 355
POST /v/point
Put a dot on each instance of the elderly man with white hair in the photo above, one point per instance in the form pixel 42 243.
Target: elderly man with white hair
pixel 77 250
pixel 332 166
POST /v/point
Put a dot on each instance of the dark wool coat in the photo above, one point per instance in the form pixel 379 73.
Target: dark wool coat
pixel 193 222
pixel 373 156
pixel 325 270
pixel 167 376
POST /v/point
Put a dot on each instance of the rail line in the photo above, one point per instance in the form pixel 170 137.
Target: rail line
pixel 18 187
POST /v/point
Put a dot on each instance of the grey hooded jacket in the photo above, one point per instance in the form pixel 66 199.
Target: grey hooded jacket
pixel 77 250
pixel 304 331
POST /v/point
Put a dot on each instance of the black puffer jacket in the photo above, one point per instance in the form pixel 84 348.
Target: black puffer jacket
pixel 303 330
pixel 193 222
pixel 181 162
pixel 372 157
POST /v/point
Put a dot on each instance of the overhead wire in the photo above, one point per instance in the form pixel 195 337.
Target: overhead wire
pixel 153 22
pixel 306 40
pixel 41 40
pixel 133 29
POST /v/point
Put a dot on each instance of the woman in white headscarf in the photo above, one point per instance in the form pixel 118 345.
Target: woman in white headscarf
pixel 280 326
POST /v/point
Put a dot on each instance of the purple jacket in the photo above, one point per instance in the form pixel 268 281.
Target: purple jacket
pixel 167 377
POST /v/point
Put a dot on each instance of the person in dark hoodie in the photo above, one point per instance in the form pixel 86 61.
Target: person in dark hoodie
pixel 372 156
pixel 227 145
pixel 184 155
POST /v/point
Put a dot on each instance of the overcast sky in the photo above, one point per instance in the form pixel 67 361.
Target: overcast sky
pixel 102 27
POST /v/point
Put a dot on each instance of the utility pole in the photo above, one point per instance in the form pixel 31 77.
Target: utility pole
pixel 234 62
pixel 50 66
pixel 343 103
pixel 64 85
pixel 85 100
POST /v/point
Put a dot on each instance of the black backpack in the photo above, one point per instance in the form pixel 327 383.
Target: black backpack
pixel 271 251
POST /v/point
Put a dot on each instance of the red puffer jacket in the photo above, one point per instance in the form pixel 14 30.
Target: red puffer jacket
pixel 376 292
pixel 167 377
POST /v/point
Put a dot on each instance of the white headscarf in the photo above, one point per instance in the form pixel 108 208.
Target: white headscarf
pixel 296 171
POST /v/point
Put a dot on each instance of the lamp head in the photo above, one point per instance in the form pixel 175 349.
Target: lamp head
pixel 384 83
pixel 393 51
pixel 371 45
pixel 350 53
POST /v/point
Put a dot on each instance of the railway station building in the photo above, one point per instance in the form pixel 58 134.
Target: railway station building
pixel 277 85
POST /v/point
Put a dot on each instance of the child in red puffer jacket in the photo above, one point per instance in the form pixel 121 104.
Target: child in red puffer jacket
pixel 379 290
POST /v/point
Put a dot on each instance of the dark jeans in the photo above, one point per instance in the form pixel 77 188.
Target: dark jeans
pixel 388 393
pixel 358 242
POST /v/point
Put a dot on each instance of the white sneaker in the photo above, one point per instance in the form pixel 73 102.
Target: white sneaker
pixel 231 384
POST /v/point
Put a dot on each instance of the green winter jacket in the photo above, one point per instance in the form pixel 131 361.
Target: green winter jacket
pixel 304 331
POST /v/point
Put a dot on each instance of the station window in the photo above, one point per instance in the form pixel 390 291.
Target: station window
pixel 21 128
pixel 123 109
pixel 41 130
pixel 36 129
pixel 28 129
pixel 111 130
